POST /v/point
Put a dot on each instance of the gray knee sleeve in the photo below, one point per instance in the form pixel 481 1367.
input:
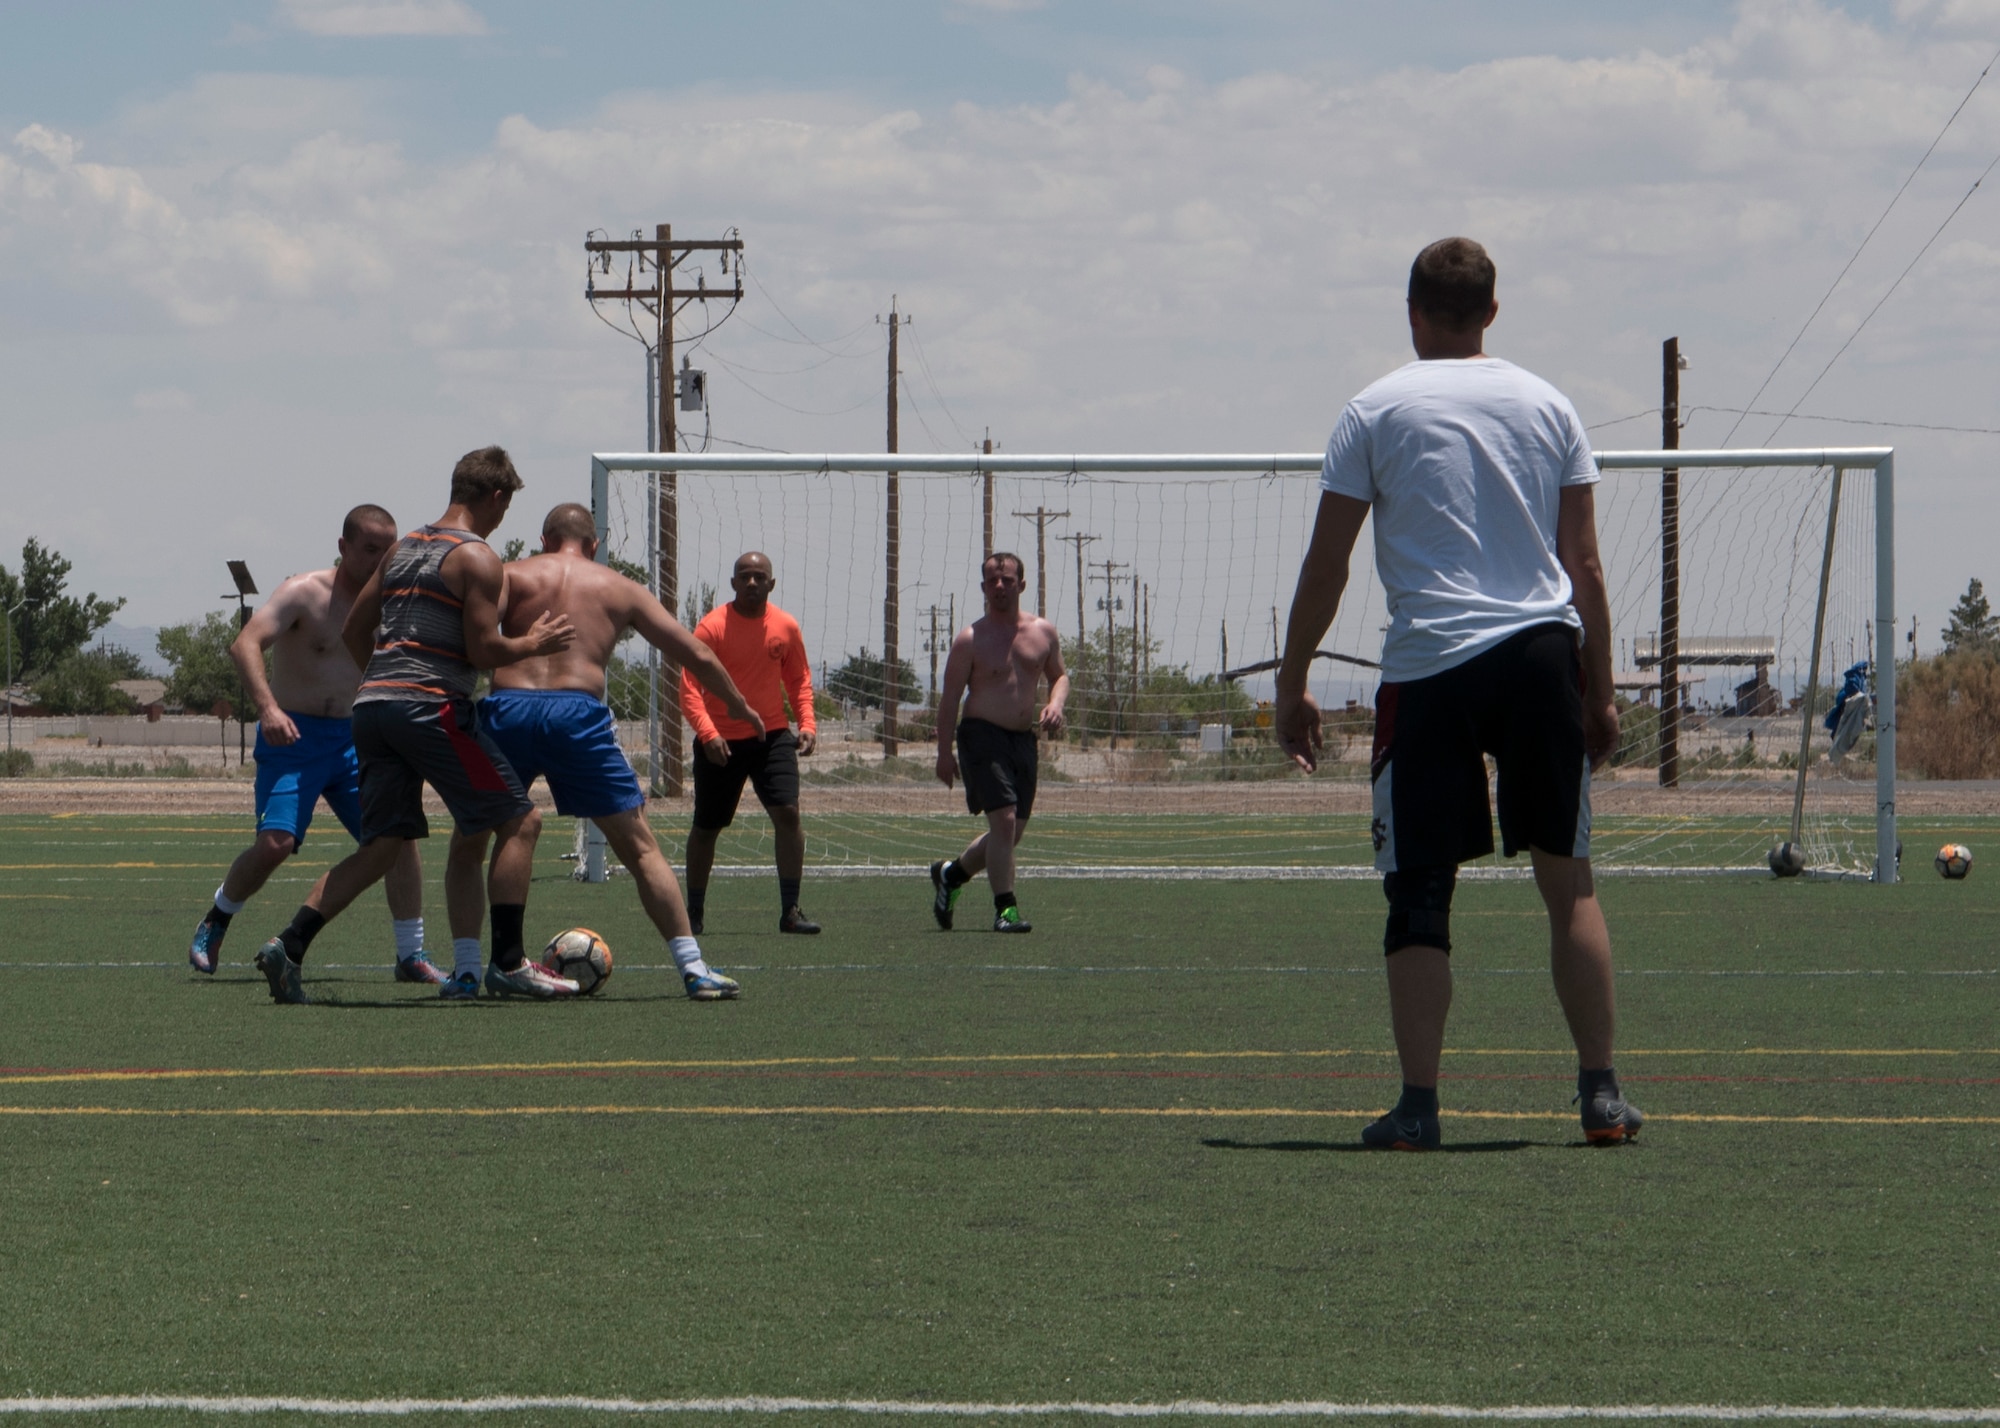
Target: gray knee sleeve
pixel 1419 908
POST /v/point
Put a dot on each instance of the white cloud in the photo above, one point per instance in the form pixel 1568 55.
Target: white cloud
pixel 1184 266
pixel 162 399
pixel 370 19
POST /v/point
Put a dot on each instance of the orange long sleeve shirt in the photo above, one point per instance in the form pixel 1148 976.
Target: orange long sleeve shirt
pixel 767 659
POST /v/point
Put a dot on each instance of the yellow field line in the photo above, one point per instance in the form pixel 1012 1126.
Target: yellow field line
pixel 1145 1112
pixel 230 1073
pixel 41 867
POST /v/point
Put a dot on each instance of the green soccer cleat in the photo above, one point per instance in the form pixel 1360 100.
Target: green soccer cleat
pixel 1009 920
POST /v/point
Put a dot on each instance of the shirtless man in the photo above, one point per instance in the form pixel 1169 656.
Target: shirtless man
pixel 422 628
pixel 998 663
pixel 549 718
pixel 305 740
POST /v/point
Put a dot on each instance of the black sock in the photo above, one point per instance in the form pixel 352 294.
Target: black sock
pixel 697 899
pixel 218 917
pixel 788 893
pixel 1002 901
pixel 306 924
pixel 955 876
pixel 1417 1101
pixel 507 920
pixel 1588 1082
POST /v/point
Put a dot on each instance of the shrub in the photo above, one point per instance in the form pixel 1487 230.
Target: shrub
pixel 1948 716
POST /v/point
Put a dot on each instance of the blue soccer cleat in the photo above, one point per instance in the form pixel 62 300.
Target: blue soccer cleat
pixel 205 949
pixel 421 968
pixel 464 987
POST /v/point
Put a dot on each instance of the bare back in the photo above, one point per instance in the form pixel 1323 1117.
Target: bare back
pixel 601 604
pixel 311 671
pixel 1010 657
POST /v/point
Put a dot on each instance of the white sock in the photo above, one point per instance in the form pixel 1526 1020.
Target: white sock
pixel 466 956
pixel 409 937
pixel 226 905
pixel 687 955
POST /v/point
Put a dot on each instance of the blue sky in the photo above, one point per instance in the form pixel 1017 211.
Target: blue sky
pixel 261 260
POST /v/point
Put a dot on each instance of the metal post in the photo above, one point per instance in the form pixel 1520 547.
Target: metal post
pixel 1885 687
pixel 10 679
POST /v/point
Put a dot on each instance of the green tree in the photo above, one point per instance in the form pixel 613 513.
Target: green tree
pixel 1974 628
pixel 202 669
pixel 863 677
pixel 1102 697
pixel 51 623
pixel 82 681
pixel 696 601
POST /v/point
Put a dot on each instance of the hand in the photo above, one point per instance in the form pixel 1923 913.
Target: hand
pixel 716 751
pixel 1600 731
pixel 551 633
pixel 752 718
pixel 1298 728
pixel 808 741
pixel 947 767
pixel 277 727
pixel 1052 722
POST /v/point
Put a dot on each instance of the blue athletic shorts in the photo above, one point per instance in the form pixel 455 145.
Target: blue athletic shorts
pixel 292 778
pixel 567 737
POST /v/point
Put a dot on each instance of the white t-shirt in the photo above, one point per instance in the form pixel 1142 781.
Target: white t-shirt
pixel 1463 461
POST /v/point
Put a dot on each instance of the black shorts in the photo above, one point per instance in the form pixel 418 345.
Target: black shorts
pixel 771 764
pixel 1520 701
pixel 998 766
pixel 404 745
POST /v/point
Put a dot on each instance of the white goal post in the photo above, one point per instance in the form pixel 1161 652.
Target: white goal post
pixel 1749 530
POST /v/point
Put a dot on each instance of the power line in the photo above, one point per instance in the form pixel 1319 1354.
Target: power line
pixel 1850 421
pixel 1828 295
pixel 925 363
pixel 730 368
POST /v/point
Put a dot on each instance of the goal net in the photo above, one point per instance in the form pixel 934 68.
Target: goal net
pixel 1169 579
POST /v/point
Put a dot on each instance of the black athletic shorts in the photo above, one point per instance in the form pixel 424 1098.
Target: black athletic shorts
pixel 1520 701
pixel 403 745
pixel 998 766
pixel 771 764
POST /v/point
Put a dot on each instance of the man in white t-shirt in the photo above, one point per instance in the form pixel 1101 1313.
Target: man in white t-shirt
pixel 1481 484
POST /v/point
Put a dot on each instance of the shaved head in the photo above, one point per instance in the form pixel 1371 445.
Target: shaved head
pixel 753 560
pixel 570 521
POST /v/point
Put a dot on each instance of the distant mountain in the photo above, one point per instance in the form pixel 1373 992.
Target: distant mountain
pixel 142 640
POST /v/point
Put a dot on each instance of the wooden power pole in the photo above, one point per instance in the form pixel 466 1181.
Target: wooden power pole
pixel 892 559
pixel 1670 567
pixel 1041 516
pixel 986 491
pixel 662 255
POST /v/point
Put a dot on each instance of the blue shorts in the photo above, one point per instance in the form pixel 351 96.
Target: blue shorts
pixel 567 737
pixel 292 778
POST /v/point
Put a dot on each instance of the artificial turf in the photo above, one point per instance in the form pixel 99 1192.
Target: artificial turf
pixel 1110 1161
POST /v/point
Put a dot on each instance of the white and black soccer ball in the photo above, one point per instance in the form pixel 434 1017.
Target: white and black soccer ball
pixel 582 956
pixel 1954 861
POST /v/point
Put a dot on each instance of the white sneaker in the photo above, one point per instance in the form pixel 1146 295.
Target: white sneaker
pixel 530 979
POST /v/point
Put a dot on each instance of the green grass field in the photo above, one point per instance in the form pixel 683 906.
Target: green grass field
pixel 1107 1163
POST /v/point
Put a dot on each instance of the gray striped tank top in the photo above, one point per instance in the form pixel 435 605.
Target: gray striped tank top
pixel 420 644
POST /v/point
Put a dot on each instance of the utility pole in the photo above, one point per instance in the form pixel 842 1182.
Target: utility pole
pixel 933 645
pixel 1041 516
pixel 892 558
pixel 662 255
pixel 1111 638
pixel 1137 607
pixel 1671 363
pixel 986 489
pixel 1080 540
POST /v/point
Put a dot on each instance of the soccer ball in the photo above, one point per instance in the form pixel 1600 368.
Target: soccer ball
pixel 1954 861
pixel 582 956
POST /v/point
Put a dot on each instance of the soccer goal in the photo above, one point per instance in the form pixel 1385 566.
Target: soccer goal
pixel 1745 586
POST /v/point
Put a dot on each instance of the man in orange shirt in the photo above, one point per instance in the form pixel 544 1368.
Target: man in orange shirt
pixel 765 653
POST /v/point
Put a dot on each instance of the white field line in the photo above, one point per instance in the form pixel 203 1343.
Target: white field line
pixel 908 1408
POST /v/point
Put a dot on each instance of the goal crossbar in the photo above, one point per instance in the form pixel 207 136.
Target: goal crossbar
pixel 1880 460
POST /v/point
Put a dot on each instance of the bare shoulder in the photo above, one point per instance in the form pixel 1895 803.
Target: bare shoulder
pixel 301 594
